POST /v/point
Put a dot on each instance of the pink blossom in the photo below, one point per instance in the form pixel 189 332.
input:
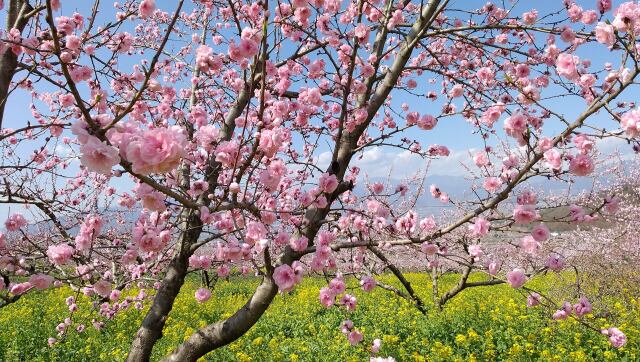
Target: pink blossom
pixel 481 159
pixel 492 114
pixel 530 17
pixel 284 277
pixel 428 248
pixel 553 158
pixel 103 288
pixel 427 122
pixel 146 8
pixel 516 278
pixel 15 222
pixel 492 184
pixel 367 283
pixel 560 315
pixel 255 231
pixel 438 150
pixel 325 238
pixel 555 263
pixel 575 12
pixel 206 61
pixel 337 285
pixel 481 227
pixel 540 232
pixel 19 289
pixel 626 16
pixel 533 299
pixel 270 141
pixel 328 183
pixel 611 205
pixel 589 17
pixel 527 197
pixel 566 65
pixel 355 337
pixel 456 91
pixel 476 251
pixel 603 6
pixel 200 262
pixel 515 125
pixel 41 281
pixel 60 254
pixel 156 151
pixel 202 295
pixel 529 244
pixel 151 199
pixel 349 301
pixel 583 307
pixel 115 295
pixel 327 297
pixel 207 135
pixel 522 70
pixel 299 244
pixel 97 156
pixel 227 153
pixel 524 214
pixel 583 143
pixel 581 165
pixel 375 346
pixel 377 187
pixel 616 337
pixel 493 267
pixel 630 123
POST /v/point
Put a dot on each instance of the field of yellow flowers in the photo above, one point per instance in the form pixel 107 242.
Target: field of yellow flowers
pixel 481 324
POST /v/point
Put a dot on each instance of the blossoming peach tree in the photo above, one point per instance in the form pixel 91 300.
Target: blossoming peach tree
pixel 223 137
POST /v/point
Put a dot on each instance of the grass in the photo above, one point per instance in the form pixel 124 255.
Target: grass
pixel 484 324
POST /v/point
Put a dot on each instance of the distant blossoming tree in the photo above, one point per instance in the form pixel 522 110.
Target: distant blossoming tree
pixel 222 136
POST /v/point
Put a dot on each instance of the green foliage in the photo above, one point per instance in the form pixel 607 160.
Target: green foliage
pixel 484 324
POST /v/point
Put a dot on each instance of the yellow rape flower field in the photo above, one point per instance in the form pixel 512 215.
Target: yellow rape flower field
pixel 481 324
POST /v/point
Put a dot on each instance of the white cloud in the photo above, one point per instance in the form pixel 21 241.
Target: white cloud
pixel 375 162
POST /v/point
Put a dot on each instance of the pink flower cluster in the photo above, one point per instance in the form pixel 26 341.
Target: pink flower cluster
pixel 89 230
pixel 480 227
pixel 158 150
pixel 15 222
pixel 98 156
pixel 616 337
pixel 286 277
pixel 630 123
pixel 202 295
pixel 583 307
pixel 206 61
pixel 516 278
pixel 60 254
pixel 329 293
pixel 149 233
pixel 248 46
pixel 353 335
pixel 146 8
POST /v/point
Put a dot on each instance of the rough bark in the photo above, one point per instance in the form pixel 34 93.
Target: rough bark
pixel 151 329
pixel 17 17
pixel 226 331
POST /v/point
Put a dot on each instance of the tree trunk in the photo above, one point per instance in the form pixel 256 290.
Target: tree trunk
pixel 16 18
pixel 226 331
pixel 151 329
